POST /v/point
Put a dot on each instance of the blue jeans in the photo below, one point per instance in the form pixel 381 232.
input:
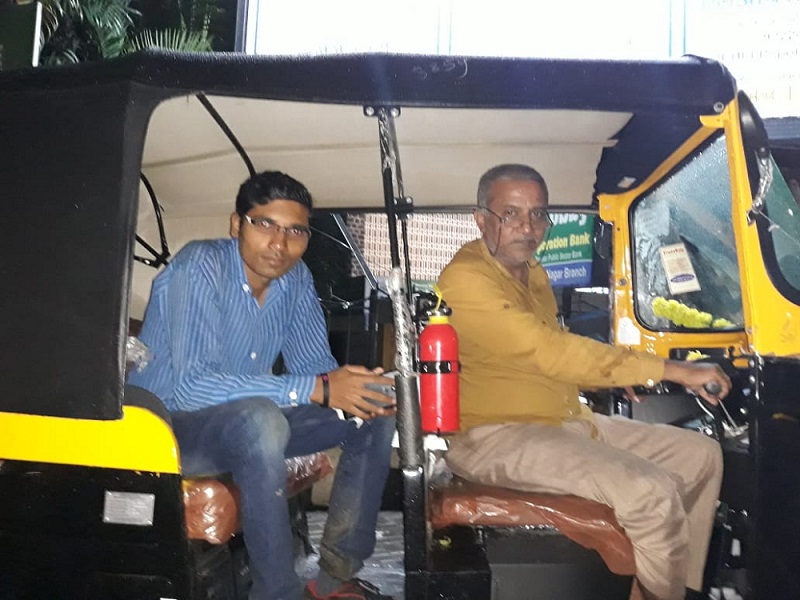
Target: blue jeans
pixel 250 439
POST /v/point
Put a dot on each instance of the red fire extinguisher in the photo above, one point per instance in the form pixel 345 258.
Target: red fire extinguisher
pixel 438 373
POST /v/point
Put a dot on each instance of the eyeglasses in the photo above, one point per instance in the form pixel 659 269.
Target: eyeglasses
pixel 518 220
pixel 267 225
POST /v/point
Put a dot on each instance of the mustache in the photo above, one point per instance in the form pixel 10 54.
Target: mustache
pixel 527 239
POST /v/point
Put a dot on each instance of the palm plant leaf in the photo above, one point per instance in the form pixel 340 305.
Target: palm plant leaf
pixel 53 12
pixel 78 30
pixel 170 39
pixel 109 21
pixel 197 14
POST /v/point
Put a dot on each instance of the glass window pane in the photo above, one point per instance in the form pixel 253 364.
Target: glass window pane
pixel 781 202
pixel 686 274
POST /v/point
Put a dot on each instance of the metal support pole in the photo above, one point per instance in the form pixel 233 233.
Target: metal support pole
pixel 409 429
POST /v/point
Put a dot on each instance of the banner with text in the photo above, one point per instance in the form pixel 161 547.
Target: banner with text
pixel 566 252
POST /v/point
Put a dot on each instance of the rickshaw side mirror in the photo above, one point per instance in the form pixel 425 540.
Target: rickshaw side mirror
pixel 794 187
pixel 755 139
pixel 602 239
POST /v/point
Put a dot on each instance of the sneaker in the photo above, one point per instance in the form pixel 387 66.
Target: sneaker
pixel 355 589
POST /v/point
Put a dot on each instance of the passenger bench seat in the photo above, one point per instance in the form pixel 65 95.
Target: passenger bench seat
pixel 588 523
pixel 211 503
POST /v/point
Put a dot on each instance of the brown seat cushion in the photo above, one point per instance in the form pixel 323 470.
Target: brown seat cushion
pixel 585 522
pixel 211 504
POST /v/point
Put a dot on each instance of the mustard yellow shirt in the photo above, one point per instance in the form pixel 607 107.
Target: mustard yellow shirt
pixel 517 364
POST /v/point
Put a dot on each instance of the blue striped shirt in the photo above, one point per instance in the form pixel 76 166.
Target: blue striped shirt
pixel 211 342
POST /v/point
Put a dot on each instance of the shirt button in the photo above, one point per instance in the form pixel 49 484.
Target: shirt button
pixel 246 287
pixel 293 397
pixel 253 355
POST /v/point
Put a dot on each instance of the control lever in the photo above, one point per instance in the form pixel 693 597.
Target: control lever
pixel 719 414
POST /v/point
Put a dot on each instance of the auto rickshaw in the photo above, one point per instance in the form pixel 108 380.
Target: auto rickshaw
pixel 102 164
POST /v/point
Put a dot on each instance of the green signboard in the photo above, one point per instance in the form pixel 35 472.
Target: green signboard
pixel 566 252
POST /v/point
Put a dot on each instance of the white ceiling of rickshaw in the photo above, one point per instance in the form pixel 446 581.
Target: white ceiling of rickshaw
pixel 196 172
pixel 334 150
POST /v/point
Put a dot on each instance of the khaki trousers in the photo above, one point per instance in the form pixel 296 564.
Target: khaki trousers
pixel 662 482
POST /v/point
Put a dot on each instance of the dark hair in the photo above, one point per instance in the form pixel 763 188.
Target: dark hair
pixel 265 187
pixel 508 172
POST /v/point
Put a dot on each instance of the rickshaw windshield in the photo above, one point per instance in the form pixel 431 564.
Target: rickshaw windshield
pixel 686 274
pixel 781 202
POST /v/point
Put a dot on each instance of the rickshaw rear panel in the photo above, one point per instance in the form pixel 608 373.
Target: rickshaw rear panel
pixel 75 154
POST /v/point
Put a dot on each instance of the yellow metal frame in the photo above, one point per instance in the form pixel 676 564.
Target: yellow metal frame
pixel 140 441
pixel 615 209
pixel 772 321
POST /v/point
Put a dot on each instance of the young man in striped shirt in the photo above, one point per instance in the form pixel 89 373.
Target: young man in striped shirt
pixel 217 319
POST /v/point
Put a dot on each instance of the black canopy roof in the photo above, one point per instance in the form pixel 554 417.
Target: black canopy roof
pixel 72 148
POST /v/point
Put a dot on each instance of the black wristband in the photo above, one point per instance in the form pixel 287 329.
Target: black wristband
pixel 326 390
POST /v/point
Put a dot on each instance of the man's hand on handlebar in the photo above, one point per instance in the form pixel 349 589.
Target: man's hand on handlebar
pixel 706 380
